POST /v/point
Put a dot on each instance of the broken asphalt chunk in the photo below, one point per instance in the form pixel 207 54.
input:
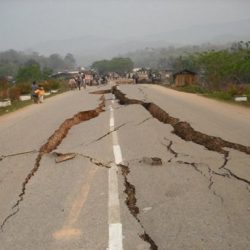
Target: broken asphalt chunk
pixel 65 157
pixel 154 161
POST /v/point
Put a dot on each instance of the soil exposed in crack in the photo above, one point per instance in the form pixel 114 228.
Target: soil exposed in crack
pixel 133 208
pixel 101 92
pixel 186 132
pixel 183 129
pixel 130 191
pixel 53 142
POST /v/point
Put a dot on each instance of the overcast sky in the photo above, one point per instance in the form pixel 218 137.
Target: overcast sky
pixel 24 23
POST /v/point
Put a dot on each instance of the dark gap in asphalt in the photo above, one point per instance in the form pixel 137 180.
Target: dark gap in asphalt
pixel 148 239
pixel 186 132
pixel 131 200
pixel 53 142
pixel 102 92
pixel 183 129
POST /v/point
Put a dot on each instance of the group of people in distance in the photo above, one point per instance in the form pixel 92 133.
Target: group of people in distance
pixel 77 82
pixel 37 93
pixel 80 81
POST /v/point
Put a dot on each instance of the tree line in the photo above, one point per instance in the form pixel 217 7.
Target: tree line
pixel 119 65
pixel 217 65
pixel 219 68
pixel 14 63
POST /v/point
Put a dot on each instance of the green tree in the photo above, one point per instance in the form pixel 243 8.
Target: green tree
pixel 30 72
pixel 119 65
pixel 46 73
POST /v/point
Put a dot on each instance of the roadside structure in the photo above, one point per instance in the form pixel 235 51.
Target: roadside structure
pixel 185 77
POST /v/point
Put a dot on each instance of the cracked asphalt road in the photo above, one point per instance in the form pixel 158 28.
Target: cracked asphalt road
pixel 197 198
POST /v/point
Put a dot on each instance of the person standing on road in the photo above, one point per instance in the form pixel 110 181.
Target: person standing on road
pixel 136 78
pixel 83 80
pixel 34 87
pixel 72 83
pixel 79 81
pixel 40 93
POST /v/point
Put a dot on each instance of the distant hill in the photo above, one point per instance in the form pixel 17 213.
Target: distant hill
pixel 90 48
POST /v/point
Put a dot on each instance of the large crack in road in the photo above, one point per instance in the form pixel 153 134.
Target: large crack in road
pixel 52 143
pixel 131 200
pixel 184 130
pixel 187 133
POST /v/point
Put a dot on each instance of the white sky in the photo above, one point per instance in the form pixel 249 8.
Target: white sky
pixel 27 22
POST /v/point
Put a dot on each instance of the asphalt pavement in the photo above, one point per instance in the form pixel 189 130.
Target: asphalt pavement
pixel 129 182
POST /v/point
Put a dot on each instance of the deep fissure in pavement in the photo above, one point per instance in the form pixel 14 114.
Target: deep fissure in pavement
pixel 131 200
pixel 183 129
pixel 52 143
pixel 101 92
pixel 186 132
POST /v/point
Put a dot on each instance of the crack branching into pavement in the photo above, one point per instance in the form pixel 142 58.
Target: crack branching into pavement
pixel 210 179
pixel 193 165
pixel 145 120
pixel 2 157
pixel 108 133
pixel 52 143
pixel 143 93
pixel 211 183
pixel 131 200
pixel 96 162
pixel 186 132
pixel 170 149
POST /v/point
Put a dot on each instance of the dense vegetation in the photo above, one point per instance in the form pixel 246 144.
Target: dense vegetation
pixel 217 66
pixel 164 58
pixel 119 65
pixel 25 68
pixel 11 61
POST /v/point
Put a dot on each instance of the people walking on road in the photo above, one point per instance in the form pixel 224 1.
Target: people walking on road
pixel 79 81
pixel 34 87
pixel 136 78
pixel 40 94
pixel 72 83
pixel 83 80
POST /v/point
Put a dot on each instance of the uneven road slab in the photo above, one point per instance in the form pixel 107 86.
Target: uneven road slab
pixel 129 181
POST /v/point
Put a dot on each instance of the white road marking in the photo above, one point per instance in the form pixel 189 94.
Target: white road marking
pixel 115 232
pixel 117 154
pixel 115 226
pixel 112 123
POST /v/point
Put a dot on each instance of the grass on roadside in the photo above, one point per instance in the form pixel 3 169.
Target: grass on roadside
pixel 218 95
pixel 15 105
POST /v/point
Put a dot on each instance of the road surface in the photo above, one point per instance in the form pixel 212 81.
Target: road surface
pixel 167 170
